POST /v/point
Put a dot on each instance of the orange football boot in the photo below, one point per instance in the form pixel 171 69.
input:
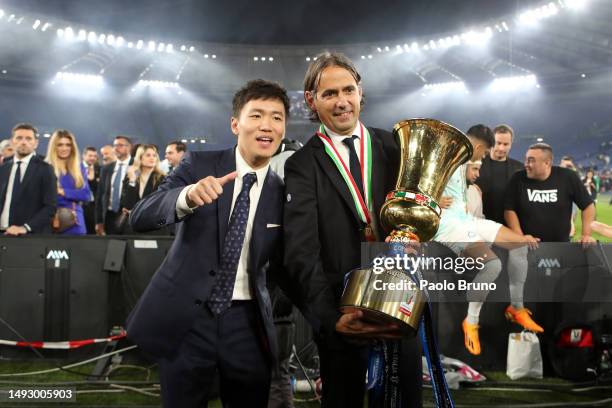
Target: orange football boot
pixel 470 337
pixel 522 317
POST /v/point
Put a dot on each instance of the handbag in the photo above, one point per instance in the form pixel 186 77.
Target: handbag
pixel 64 219
pixel 524 356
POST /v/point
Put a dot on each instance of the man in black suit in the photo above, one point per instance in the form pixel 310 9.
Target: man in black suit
pixel 108 196
pixel 207 307
pixel 325 226
pixel 28 187
pixel 90 163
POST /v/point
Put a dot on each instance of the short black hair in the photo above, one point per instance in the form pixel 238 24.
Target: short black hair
pixel 483 133
pixel 259 89
pixel 25 126
pixel 180 146
pixel 127 139
pixel 545 147
pixel 90 149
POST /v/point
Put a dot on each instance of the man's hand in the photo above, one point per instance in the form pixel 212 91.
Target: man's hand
pixel 350 324
pixel 15 230
pixel 445 202
pixel 532 241
pixel 100 230
pixel 587 241
pixel 207 190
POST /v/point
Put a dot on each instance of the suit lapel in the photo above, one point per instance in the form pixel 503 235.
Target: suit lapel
pixel 225 165
pixel 29 174
pixel 264 207
pixel 331 171
pixel 379 174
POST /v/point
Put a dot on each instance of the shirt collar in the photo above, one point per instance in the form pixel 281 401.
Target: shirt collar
pixel 338 137
pixel 124 162
pixel 242 167
pixel 25 161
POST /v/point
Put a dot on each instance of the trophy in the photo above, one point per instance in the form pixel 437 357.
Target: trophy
pixel 431 151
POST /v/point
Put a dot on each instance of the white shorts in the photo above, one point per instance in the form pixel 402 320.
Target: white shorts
pixel 457 234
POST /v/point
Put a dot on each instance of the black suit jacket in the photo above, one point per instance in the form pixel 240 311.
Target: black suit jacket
pixel 104 190
pixel 36 202
pixel 130 195
pixel 323 232
pixel 182 284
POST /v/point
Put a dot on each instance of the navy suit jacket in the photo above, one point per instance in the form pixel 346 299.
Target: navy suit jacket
pixel 36 201
pixel 182 284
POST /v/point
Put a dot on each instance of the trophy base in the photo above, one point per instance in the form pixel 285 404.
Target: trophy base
pixel 387 297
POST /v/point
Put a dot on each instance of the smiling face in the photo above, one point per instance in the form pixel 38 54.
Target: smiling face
pixel 260 127
pixel 538 164
pixel 337 100
pixel 64 148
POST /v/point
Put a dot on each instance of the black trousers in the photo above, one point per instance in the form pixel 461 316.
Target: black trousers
pixel 229 344
pixel 343 373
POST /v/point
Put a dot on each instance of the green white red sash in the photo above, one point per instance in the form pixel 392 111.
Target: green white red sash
pixel 362 204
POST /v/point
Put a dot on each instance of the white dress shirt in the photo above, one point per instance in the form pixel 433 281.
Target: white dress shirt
pixel 341 147
pixel 241 287
pixel 126 164
pixel 4 217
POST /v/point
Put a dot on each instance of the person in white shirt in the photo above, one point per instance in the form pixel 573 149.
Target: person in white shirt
pixel 27 187
pixel 108 196
pixel 207 308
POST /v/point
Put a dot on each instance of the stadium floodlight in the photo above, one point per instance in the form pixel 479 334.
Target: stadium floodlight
pixel 84 79
pixel 1 13
pixel 68 33
pixel 414 46
pixel 514 83
pixel 130 44
pixel 170 48
pixel 45 27
pixel 161 47
pixel 270 59
pixel 139 44
pixel 82 35
pixel 214 56
pixel 110 39
pixel 10 18
pixel 183 47
pixel 255 58
pixel 120 41
pixel 191 49
pixel 151 46
pixel 36 25
pixel 445 86
pixel 92 37
pixel 60 32
pixel 157 84
pixel 102 38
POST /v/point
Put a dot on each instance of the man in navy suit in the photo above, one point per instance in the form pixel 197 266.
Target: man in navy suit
pixel 28 187
pixel 207 308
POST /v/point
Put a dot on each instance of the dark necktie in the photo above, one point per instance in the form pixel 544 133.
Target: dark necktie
pixel 115 197
pixel 354 165
pixel 15 193
pixel 221 294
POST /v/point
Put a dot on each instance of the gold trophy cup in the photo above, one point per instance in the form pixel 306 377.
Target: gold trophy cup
pixel 431 151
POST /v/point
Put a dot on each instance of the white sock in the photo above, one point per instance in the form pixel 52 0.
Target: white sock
pixel 473 313
pixel 517 274
pixel 476 298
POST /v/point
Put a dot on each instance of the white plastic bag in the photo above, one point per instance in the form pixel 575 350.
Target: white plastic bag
pixel 524 356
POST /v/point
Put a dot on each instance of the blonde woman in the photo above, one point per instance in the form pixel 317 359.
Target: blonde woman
pixel 72 187
pixel 142 178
